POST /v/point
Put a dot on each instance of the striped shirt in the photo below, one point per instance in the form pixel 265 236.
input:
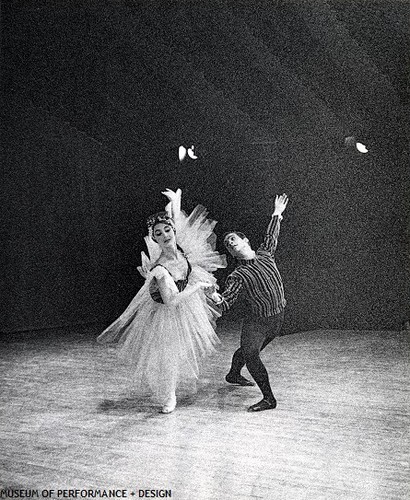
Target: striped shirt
pixel 258 279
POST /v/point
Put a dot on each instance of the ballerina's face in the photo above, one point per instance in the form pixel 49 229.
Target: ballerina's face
pixel 164 235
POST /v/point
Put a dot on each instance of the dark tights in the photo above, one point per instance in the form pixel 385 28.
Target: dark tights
pixel 257 333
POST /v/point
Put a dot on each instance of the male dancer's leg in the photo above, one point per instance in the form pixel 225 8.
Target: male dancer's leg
pixel 238 362
pixel 269 328
pixel 252 342
pixel 254 336
pixel 275 325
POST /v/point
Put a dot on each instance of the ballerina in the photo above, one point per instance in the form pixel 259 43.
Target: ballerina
pixel 169 327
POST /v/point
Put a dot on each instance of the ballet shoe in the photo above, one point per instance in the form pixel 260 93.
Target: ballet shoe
pixel 170 405
pixel 238 380
pixel 264 404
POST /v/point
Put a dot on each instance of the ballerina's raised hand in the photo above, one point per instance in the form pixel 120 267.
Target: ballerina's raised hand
pixel 174 206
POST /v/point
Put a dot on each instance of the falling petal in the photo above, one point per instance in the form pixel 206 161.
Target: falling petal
pixel 361 147
pixel 181 153
pixel 191 153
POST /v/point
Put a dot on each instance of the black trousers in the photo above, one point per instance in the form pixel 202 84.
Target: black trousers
pixel 257 333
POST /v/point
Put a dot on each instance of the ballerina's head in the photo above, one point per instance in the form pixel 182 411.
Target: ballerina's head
pixel 162 229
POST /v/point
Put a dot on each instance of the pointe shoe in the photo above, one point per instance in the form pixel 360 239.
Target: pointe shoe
pixel 264 404
pixel 238 380
pixel 170 405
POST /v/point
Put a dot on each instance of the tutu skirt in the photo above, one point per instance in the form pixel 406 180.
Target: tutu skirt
pixel 164 346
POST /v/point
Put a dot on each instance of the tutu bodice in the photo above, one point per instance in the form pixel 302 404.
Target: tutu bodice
pixel 180 284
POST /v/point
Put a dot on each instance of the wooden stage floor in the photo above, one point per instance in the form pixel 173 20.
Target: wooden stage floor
pixel 341 429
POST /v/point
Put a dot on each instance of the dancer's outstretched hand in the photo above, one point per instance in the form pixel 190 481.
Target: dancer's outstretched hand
pixel 174 205
pixel 209 290
pixel 281 202
pixel 206 286
pixel 171 195
pixel 216 298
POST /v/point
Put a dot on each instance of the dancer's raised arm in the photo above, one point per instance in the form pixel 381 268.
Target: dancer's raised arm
pixel 174 206
pixel 270 241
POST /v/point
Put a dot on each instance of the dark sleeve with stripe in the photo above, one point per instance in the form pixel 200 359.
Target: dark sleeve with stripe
pixel 231 293
pixel 271 238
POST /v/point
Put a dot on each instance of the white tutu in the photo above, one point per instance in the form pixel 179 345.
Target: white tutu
pixel 164 345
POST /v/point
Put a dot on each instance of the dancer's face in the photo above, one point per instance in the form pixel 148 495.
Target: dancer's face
pixel 164 235
pixel 236 246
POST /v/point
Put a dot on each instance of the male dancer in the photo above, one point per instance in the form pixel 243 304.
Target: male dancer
pixel 257 278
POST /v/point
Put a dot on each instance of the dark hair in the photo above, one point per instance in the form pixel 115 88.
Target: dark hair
pixel 160 218
pixel 238 233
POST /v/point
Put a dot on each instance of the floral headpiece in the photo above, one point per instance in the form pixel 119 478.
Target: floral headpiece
pixel 160 218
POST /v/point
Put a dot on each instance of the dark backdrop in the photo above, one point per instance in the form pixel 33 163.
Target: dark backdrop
pixel 97 97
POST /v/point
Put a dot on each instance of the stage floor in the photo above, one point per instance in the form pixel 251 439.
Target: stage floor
pixel 340 431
